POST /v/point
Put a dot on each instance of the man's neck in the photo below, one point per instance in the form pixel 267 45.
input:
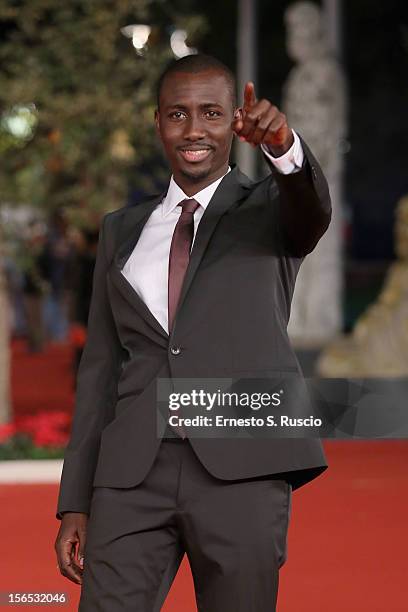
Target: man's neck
pixel 191 188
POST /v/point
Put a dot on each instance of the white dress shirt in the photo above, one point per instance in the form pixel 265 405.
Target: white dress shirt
pixel 147 267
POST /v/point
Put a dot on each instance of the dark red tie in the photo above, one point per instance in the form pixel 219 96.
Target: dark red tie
pixel 180 255
pixel 178 262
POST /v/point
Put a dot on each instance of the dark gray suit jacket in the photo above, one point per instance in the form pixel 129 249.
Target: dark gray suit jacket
pixel 231 322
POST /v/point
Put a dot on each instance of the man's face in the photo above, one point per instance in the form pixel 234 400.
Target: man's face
pixel 194 123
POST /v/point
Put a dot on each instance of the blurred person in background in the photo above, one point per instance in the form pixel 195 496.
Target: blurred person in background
pixel 34 271
pixel 58 254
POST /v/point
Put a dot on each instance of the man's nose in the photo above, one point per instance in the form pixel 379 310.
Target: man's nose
pixel 194 129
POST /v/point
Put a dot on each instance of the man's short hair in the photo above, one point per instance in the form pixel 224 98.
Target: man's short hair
pixel 197 63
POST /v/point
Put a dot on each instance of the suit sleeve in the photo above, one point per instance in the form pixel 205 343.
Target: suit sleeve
pixel 96 393
pixel 303 210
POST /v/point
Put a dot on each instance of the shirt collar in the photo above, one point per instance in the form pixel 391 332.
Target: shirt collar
pixel 175 195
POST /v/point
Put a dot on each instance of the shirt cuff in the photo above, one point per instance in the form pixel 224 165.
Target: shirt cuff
pixel 289 162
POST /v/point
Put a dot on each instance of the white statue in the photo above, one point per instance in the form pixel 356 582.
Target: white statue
pixel 378 344
pixel 315 105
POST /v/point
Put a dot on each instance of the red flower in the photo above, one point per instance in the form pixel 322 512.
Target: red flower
pixel 46 428
pixel 50 437
pixel 7 431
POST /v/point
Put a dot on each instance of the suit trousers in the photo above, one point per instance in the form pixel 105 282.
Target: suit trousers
pixel 233 532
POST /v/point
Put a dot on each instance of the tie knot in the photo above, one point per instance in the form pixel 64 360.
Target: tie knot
pixel 190 205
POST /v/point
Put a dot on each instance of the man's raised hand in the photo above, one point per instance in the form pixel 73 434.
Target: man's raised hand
pixel 260 122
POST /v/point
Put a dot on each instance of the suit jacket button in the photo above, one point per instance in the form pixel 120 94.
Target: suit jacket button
pixel 314 173
pixel 175 350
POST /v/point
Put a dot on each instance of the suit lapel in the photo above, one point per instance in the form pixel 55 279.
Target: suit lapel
pixel 133 222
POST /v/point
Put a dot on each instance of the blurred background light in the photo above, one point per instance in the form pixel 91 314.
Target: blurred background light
pixel 20 121
pixel 178 44
pixel 139 33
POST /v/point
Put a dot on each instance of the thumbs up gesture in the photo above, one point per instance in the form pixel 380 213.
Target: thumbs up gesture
pixel 260 122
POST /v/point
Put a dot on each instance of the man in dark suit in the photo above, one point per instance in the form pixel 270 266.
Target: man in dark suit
pixel 194 283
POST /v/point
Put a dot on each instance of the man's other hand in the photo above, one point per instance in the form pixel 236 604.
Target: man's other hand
pixel 70 545
pixel 260 122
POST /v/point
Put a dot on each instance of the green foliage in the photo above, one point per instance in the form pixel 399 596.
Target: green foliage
pixel 21 446
pixel 93 98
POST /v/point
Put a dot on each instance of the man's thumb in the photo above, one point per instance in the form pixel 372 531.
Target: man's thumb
pixel 237 123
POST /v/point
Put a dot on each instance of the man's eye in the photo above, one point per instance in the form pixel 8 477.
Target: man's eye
pixel 212 114
pixel 177 115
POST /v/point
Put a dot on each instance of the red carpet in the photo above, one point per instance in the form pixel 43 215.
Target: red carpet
pixel 41 381
pixel 347 541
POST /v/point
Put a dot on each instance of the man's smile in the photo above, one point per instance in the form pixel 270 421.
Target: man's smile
pixel 195 153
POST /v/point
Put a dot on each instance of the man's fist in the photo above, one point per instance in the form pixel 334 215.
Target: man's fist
pixel 260 122
pixel 70 545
